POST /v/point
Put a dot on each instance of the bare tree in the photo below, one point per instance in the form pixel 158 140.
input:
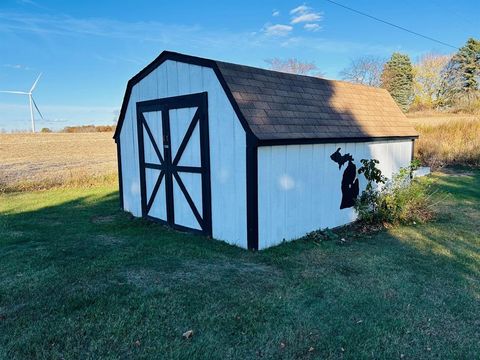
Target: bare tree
pixel 429 79
pixel 293 66
pixel 365 70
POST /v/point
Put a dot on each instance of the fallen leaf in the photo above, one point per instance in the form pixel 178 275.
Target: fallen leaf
pixel 188 334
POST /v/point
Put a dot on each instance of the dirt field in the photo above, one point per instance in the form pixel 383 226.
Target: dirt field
pixel 30 160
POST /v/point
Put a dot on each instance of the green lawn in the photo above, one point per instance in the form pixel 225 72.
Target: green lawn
pixel 80 279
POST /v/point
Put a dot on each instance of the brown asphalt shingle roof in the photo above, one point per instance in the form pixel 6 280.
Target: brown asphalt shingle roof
pixel 280 106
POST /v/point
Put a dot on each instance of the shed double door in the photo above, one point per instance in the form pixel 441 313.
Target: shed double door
pixel 174 161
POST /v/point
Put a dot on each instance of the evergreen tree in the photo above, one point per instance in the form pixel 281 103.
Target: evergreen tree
pixel 467 63
pixel 397 78
pixel 460 77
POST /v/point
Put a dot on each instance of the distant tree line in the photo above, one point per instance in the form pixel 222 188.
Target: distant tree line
pixel 88 128
pixel 83 129
pixel 433 82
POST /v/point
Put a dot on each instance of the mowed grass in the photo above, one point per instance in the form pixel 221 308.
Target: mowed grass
pixel 42 161
pixel 80 279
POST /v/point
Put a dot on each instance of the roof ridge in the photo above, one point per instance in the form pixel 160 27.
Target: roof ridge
pixel 343 82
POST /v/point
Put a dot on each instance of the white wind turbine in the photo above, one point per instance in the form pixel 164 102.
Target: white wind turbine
pixel 31 101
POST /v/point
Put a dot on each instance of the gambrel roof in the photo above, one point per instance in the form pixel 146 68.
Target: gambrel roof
pixel 277 107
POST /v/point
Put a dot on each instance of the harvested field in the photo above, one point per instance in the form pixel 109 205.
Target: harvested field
pixel 37 161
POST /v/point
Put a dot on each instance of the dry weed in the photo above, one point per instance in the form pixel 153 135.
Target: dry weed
pixel 448 140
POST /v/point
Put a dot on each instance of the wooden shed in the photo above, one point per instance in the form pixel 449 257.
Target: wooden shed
pixel 250 156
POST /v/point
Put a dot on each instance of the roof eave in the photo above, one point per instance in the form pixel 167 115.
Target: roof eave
pixel 300 141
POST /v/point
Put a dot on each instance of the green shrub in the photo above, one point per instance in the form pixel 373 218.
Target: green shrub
pixel 367 204
pixel 401 200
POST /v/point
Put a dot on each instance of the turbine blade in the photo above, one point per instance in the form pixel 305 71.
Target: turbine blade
pixel 36 107
pixel 35 83
pixel 14 92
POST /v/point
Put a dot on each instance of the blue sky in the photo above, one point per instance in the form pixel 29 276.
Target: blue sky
pixel 87 50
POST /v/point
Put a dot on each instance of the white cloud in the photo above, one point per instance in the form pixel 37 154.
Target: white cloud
pixel 62 25
pixel 26 2
pixel 309 17
pixel 31 3
pixel 312 27
pixel 304 13
pixel 300 10
pixel 290 42
pixel 70 109
pixel 13 66
pixel 275 13
pixel 115 59
pixel 278 30
pixel 16 66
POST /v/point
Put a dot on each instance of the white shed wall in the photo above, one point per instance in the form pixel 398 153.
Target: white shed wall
pixel 299 186
pixel 227 145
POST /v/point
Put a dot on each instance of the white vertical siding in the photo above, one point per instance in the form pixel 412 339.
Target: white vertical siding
pixel 130 160
pixel 299 186
pixel 227 146
pixel 228 165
